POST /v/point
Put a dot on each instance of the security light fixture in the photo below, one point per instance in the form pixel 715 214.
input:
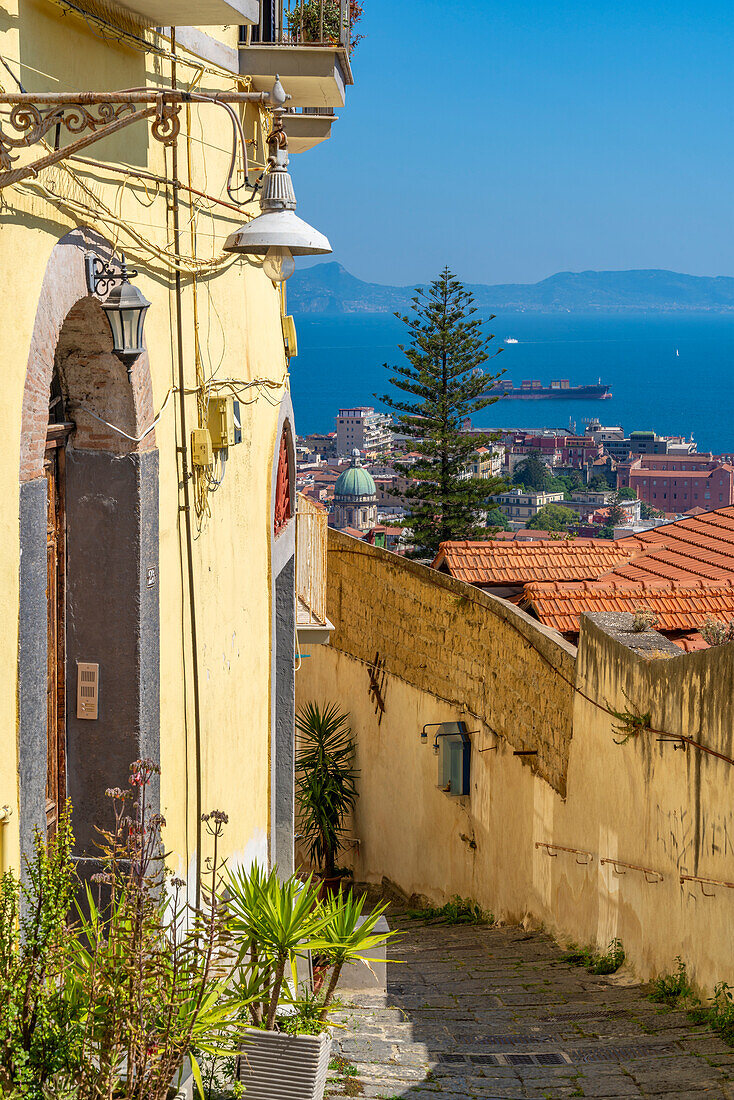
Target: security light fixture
pixel 276 233
pixel 124 304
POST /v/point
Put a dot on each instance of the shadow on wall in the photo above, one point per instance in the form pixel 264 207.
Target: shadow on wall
pixel 597 840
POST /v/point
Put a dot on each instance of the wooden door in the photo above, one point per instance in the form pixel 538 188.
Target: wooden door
pixel 55 598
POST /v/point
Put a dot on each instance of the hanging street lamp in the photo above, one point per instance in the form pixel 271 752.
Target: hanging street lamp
pixel 124 304
pixel 277 234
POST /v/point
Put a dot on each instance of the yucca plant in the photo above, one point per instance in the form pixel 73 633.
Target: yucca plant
pixel 326 781
pixel 347 936
pixel 272 921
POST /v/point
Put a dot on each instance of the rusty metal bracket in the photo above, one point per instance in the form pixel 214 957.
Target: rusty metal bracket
pixel 552 850
pixel 651 875
pixel 706 882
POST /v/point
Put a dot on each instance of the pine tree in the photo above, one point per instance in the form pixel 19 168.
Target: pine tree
pixel 445 384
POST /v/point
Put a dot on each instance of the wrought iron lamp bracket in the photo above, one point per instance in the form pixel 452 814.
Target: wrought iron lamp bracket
pixel 102 276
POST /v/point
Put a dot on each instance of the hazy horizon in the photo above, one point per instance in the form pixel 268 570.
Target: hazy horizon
pixel 518 141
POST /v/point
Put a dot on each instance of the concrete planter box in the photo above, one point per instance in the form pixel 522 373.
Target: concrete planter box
pixel 274 1066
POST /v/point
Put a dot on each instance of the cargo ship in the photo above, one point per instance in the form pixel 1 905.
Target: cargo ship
pixel 561 388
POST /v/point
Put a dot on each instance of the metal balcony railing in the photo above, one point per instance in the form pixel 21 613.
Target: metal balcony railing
pixel 303 23
pixel 311 542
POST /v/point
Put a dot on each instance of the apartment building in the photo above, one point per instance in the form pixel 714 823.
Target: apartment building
pixel 677 483
pixel 364 430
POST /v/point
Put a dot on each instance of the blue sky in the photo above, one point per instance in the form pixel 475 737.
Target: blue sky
pixel 515 140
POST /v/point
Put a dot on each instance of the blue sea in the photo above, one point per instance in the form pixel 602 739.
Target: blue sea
pixel 671 372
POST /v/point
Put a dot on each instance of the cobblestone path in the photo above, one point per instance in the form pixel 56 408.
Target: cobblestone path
pixel 495 1012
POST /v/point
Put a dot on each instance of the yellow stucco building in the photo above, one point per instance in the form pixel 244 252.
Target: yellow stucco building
pixel 148 590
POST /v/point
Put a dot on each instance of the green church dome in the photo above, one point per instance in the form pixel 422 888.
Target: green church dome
pixel 356 481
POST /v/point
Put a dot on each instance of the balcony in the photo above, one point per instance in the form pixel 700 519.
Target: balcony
pixel 312 624
pixel 193 13
pixel 308 43
pixel 307 127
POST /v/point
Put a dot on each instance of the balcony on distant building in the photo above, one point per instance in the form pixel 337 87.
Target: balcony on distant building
pixel 312 624
pixel 308 44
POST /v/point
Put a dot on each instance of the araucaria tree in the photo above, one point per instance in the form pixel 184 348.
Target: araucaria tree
pixel 445 384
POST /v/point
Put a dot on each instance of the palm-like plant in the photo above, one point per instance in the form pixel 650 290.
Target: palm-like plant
pixel 347 937
pixel 326 787
pixel 272 921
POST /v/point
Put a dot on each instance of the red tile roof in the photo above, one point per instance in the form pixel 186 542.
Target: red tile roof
pixel 694 547
pixel 679 605
pixel 511 563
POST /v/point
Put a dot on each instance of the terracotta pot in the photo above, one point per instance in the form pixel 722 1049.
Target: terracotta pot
pixel 334 884
pixel 276 1066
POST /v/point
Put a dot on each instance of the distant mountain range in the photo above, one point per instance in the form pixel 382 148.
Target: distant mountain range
pixel 330 288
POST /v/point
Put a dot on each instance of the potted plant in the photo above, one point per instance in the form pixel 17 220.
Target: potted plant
pixel 288 1044
pixel 326 785
pixel 152 976
pixel 315 21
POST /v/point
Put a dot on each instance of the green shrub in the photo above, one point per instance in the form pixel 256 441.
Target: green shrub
pixel 456 911
pixel 607 962
pixel 669 989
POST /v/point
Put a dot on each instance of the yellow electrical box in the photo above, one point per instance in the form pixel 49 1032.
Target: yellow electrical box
pixel 202 453
pixel 289 337
pixel 220 421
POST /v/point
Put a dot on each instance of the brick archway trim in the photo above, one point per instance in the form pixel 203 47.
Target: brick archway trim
pixel 64 284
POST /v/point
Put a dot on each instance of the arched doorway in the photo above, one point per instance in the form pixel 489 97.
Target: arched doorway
pixel 89 621
pixel 283 682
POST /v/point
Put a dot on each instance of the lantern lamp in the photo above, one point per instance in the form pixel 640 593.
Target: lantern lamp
pixel 125 307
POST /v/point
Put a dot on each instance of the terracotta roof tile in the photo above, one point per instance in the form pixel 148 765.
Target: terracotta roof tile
pixel 679 605
pixel 507 563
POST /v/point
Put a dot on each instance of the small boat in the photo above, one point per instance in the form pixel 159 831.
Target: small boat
pixel 677 352
pixel 511 340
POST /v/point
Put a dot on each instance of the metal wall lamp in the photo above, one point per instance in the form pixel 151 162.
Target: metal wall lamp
pixel 277 234
pixel 125 307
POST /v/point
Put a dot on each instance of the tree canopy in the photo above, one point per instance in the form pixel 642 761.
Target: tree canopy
pixel 553 517
pixel 444 383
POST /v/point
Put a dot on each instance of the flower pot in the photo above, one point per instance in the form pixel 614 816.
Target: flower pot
pixel 276 1066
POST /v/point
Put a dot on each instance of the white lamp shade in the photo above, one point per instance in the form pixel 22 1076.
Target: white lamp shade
pixel 279 229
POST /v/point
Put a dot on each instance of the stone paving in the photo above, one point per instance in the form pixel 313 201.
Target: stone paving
pixel 495 1012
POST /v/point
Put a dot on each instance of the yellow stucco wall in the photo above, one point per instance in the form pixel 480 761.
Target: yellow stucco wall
pixel 643 802
pixel 240 335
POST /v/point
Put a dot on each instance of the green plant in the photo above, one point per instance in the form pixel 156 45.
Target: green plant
pixel 630 722
pixel 671 988
pixel 443 383
pixel 315 21
pixel 596 962
pixel 719 1015
pixel 456 911
pixel 152 974
pixel 319 21
pixel 326 789
pixel 714 632
pixel 40 1028
pixel 347 936
pixel 271 921
pixel 643 618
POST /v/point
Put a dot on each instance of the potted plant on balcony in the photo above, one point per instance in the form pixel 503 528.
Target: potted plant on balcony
pixel 326 785
pixel 275 923
pixel 315 22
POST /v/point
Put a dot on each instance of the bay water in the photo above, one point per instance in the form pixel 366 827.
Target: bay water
pixel 669 372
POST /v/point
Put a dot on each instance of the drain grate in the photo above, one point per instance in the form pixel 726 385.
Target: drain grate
pixel 550 1059
pixel 592 1014
pixel 452 1057
pixel 520 1059
pixel 484 1060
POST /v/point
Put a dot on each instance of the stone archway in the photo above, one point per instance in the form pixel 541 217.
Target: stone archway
pixel 110 590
